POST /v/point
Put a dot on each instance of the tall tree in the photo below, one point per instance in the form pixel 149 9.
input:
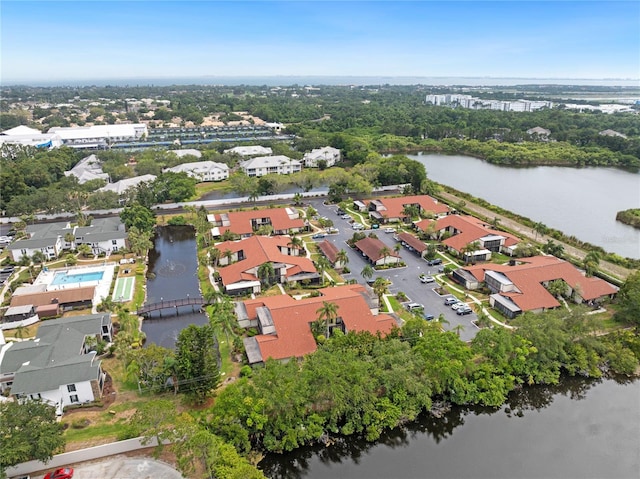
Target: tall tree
pixel 628 300
pixel 327 315
pixel 342 257
pixel 367 272
pixel 266 274
pixel 139 240
pixel 591 262
pixel 540 229
pixel 380 288
pixel 29 431
pixel 198 366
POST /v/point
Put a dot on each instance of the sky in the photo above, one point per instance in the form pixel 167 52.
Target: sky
pixel 62 41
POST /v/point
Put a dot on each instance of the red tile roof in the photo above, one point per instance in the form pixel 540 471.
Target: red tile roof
pixel 329 250
pixel 529 276
pixel 393 206
pixel 239 222
pixel 471 229
pixel 372 247
pixel 412 241
pixel 291 319
pixel 258 250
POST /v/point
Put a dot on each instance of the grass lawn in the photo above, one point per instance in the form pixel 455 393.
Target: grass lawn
pixel 395 304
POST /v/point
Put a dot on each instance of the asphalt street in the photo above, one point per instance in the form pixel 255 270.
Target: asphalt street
pixel 404 279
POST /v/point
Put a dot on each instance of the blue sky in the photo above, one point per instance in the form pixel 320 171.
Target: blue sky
pixel 58 41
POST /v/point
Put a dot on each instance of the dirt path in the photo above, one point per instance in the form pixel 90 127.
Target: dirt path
pixel 526 232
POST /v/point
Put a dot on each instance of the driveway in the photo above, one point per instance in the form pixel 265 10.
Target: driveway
pixel 122 467
pixel 403 279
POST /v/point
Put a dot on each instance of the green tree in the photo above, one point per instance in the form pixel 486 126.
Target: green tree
pixel 342 257
pixel 628 300
pixel 139 216
pixel 155 419
pixel 380 288
pixel 327 315
pixel 197 356
pixel 139 240
pixel 540 229
pixel 85 250
pixel 322 265
pixel 591 262
pixel 267 274
pixel 29 431
pixel 367 272
pixel 557 288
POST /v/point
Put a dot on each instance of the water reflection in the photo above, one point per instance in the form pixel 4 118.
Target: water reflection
pixel 434 436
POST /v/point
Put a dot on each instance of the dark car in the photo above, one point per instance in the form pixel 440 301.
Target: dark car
pixel 462 311
pixel 62 473
pixel 318 236
pixel 434 262
pixel 429 317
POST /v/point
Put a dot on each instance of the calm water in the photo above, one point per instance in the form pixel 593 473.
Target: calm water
pixel 577 201
pixel 580 429
pixel 174 262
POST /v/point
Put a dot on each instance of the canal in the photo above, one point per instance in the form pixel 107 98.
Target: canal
pixel 173 274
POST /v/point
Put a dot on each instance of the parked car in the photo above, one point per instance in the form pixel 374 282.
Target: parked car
pixel 375 226
pixel 357 226
pixel 62 473
pixel 389 230
pixel 458 305
pixel 429 317
pixel 340 211
pixel 332 231
pixel 414 306
pixel 464 310
pixel 434 262
pixel 345 217
pixel 318 236
pixel 450 300
pixel 426 279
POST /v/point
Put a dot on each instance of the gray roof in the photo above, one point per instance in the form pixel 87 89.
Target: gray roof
pixel 55 357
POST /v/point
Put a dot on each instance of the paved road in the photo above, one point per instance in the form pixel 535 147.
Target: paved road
pixel 403 279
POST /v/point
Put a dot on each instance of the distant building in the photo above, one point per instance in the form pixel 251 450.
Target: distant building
pixel 468 101
pixel 265 165
pixel 329 155
pixel 539 131
pixel 612 133
pixel 99 136
pixel 203 170
pixel 250 150
pixel 187 152
pixel 25 136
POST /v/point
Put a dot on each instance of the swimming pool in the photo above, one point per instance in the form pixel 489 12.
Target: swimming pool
pixel 70 278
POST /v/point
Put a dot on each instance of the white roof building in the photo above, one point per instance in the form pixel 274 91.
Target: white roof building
pixel 328 154
pixel 188 152
pixel 25 136
pixel 87 169
pixel 250 150
pixel 122 186
pixel 264 165
pixel 203 170
pixel 99 135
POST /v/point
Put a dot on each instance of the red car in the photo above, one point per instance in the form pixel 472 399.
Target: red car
pixel 62 473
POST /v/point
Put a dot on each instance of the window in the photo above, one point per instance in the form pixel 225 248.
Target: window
pixel 114 241
pixel 74 398
pixel 71 388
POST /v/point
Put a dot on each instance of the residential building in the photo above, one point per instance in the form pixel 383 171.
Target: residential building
pixel 122 186
pixel 462 230
pixel 203 170
pixel 87 169
pixel 609 132
pixel 377 252
pixel 250 150
pixel 392 210
pixel 468 101
pixel 245 223
pixel 265 165
pixel 521 285
pixel 417 245
pixel 539 131
pixel 105 235
pixel 315 158
pixel 187 152
pixel 284 323
pixel 59 366
pixel 240 262
pixel 330 251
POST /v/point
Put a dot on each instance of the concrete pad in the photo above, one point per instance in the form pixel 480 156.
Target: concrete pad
pixel 122 467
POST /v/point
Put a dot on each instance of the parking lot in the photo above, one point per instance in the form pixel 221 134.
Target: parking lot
pixel 406 279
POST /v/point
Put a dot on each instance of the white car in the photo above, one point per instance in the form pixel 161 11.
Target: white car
pixel 345 217
pixel 426 279
pixel 458 305
pixel 357 226
pixel 389 230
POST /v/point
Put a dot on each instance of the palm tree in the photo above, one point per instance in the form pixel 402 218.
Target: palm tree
pixel 228 254
pixel 70 238
pixel 266 274
pixel 591 262
pixel 554 249
pixel 367 272
pixel 442 319
pixel 469 249
pixel 327 315
pixel 557 288
pixel 342 257
pixel 540 229
pixel 296 243
pixel 385 252
pixel 380 288
pixel 411 211
pixel 38 257
pixel 322 264
pixel 396 248
pixel 297 199
pixel 458 329
pixel 20 331
pixel 214 256
pixel 222 317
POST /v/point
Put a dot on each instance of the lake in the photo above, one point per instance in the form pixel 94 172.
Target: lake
pixel 578 429
pixel 582 202
pixel 173 268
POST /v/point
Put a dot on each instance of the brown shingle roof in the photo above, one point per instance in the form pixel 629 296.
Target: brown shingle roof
pixel 240 221
pixel 63 296
pixel 412 241
pixel 329 250
pixel 372 247
pixel 393 206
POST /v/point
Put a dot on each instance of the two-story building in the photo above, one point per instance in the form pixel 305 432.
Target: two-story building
pixel 282 221
pixel 265 165
pixel 325 157
pixel 203 170
pixel 394 210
